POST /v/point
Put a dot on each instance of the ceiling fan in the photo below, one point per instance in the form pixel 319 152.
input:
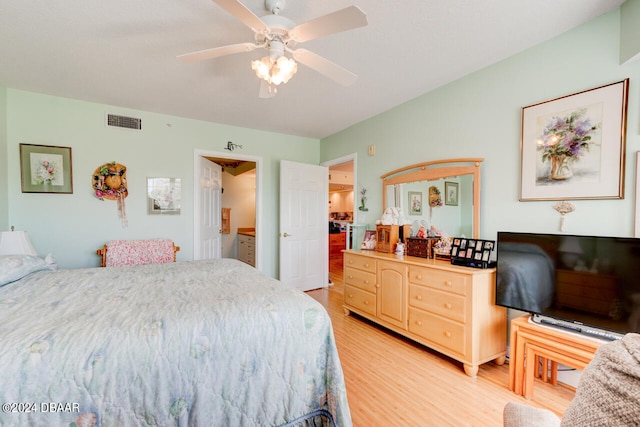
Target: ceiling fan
pixel 279 35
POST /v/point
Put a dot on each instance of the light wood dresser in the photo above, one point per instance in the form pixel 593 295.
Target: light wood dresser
pixel 447 308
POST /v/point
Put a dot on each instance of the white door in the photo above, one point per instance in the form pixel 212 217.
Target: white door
pixel 208 223
pixel 304 200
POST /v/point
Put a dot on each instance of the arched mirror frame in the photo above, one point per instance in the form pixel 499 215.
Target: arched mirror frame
pixel 429 171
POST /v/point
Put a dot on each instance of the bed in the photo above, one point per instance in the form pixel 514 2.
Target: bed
pixel 193 343
pixel 525 277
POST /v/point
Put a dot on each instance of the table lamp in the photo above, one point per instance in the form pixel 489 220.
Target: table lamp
pixel 16 243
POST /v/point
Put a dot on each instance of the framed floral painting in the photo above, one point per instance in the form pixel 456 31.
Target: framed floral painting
pixel 46 169
pixel 573 147
pixel 451 193
pixel 415 203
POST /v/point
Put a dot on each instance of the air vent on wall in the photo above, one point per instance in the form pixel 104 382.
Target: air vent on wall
pixel 124 122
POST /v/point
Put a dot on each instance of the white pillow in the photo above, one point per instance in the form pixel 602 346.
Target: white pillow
pixel 15 267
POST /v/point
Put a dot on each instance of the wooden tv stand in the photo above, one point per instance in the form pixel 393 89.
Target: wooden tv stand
pixel 532 342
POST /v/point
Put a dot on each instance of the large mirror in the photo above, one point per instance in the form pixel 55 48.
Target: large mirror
pixel 441 193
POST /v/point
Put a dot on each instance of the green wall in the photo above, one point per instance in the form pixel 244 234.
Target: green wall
pixel 4 200
pixel 480 116
pixel 476 116
pixel 73 226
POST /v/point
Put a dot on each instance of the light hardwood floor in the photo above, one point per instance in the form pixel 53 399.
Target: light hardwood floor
pixel 392 381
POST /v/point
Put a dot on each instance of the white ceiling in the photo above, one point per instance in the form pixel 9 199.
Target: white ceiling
pixel 123 53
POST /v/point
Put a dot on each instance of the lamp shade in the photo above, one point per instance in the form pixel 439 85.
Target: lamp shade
pixel 16 243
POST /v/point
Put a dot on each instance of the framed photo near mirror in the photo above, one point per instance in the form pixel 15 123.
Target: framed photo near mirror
pixel 451 193
pixel 415 203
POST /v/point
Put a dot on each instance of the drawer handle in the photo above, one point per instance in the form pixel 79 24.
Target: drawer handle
pixel 350 295
pixel 366 282
pixel 419 297
pixel 419 276
pixel 350 261
pixel 447 334
pixel 366 264
pixel 366 302
pixel 448 306
pixel 350 276
pixel 419 322
pixel 448 283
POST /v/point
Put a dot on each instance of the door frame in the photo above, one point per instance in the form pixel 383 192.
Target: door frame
pixel 353 157
pixel 258 202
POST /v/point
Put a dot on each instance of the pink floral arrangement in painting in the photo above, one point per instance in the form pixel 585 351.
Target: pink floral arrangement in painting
pixel 564 140
pixel 45 172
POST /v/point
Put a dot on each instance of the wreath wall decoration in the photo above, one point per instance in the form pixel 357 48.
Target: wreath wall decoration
pixel 109 182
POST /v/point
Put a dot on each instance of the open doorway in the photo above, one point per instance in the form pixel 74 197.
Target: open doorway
pixel 342 183
pixel 238 203
pixel 238 206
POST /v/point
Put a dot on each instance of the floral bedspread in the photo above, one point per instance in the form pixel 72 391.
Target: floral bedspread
pixel 201 343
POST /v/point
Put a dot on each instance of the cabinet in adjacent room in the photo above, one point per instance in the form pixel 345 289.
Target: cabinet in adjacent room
pixel 247 247
pixel 337 242
pixel 447 308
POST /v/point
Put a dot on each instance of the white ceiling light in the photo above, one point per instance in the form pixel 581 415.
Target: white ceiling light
pixel 279 35
pixel 275 68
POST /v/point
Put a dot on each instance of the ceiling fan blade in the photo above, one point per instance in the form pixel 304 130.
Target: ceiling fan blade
pixel 217 52
pixel 342 20
pixel 243 14
pixel 324 66
pixel 267 90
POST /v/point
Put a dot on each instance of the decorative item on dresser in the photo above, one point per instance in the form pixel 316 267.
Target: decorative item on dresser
pixel 387 236
pixel 421 246
pixel 445 307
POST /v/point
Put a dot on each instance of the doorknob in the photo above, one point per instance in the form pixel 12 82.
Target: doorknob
pixel 285 234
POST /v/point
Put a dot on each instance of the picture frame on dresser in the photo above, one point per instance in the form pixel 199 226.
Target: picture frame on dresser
pixel 46 169
pixel 472 252
pixel 369 240
pixel 573 146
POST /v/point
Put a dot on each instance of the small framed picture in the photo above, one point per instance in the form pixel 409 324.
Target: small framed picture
pixel 163 196
pixel 415 203
pixel 451 193
pixel 46 169
pixel 369 241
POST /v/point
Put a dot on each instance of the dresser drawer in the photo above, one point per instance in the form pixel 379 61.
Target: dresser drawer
pixel 443 280
pixel 446 304
pixel 360 299
pixel 360 279
pixel 360 262
pixel 437 330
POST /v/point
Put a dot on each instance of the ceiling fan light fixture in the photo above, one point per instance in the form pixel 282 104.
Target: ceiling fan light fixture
pixel 275 72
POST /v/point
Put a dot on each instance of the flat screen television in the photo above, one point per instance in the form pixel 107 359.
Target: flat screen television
pixel 588 284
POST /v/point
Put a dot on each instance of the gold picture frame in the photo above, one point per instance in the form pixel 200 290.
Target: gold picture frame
pixel 573 147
